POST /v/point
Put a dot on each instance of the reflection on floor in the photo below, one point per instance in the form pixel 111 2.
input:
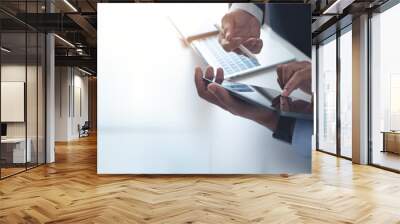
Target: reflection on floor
pixel 10 169
pixel 387 159
pixel 346 152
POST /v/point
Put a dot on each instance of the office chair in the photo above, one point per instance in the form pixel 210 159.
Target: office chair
pixel 84 130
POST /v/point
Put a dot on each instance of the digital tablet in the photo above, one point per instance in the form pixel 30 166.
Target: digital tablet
pixel 270 99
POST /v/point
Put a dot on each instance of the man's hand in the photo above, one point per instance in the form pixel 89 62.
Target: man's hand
pixel 294 75
pixel 240 27
pixel 215 94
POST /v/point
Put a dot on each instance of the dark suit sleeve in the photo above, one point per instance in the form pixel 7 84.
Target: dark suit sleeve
pixel 292 22
pixel 262 7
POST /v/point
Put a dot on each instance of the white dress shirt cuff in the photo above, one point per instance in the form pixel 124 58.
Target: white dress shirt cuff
pixel 250 8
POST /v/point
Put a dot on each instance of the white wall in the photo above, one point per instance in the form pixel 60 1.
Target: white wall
pixel 70 83
pixel 12 73
pixel 61 103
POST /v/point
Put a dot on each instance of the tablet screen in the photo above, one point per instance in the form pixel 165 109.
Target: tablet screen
pixel 271 99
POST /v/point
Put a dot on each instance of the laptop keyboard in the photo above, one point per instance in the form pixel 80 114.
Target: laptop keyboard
pixel 229 61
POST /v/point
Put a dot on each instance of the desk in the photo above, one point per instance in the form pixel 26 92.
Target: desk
pixel 150 119
pixel 391 141
pixel 13 150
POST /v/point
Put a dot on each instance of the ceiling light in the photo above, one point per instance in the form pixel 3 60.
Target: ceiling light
pixel 337 7
pixel 79 51
pixel 5 50
pixel 70 5
pixel 65 41
pixel 84 71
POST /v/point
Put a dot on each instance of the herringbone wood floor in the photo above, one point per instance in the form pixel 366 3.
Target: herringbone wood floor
pixel 70 191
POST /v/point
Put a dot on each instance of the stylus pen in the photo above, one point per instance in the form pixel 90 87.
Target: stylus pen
pixel 241 47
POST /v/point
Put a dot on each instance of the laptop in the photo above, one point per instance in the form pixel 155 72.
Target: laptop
pixel 205 43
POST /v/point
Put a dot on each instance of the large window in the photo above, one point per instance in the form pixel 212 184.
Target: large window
pixel 335 74
pixel 385 89
pixel 327 96
pixel 346 93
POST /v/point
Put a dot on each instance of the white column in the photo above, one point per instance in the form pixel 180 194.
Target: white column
pixel 360 90
pixel 50 100
pixel 50 92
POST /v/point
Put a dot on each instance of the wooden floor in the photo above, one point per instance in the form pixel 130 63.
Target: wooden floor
pixel 5 172
pixel 70 191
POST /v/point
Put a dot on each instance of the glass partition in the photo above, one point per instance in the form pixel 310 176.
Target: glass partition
pixel 41 107
pixel 23 91
pixel 32 96
pixel 31 101
pixel 14 153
